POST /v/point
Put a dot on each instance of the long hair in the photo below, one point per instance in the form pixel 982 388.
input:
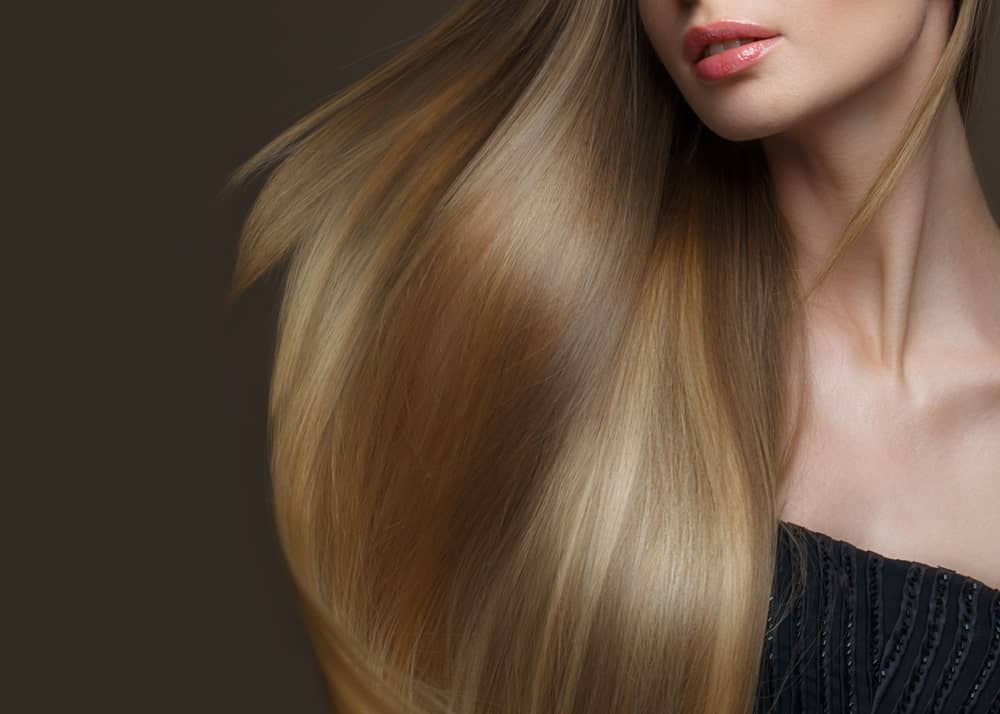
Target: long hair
pixel 527 400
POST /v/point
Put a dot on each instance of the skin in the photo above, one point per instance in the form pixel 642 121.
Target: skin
pixel 899 450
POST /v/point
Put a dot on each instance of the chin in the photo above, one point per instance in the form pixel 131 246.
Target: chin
pixel 739 116
pixel 741 126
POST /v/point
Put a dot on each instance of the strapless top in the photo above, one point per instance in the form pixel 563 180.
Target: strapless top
pixel 877 634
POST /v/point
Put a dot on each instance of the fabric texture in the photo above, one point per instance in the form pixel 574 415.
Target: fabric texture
pixel 877 634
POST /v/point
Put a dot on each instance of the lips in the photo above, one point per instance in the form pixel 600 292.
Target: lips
pixel 699 37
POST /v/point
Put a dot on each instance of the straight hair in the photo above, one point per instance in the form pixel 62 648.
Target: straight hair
pixel 525 416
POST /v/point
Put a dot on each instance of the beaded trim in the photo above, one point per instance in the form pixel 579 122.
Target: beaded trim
pixel 826 607
pixel 847 562
pixel 960 649
pixel 936 614
pixel 986 671
pixel 874 588
pixel 901 632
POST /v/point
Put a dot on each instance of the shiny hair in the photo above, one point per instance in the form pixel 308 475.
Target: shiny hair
pixel 527 399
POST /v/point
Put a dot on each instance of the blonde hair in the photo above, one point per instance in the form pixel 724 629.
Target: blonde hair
pixel 527 397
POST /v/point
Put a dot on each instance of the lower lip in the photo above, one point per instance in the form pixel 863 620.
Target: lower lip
pixel 735 59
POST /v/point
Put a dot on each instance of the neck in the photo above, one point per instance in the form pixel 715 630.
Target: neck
pixel 927 268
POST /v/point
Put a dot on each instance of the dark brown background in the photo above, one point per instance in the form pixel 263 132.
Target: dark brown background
pixel 146 575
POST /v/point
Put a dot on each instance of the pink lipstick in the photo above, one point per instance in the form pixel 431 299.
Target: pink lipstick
pixel 701 47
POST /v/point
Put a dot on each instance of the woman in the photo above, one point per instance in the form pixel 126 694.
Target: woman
pixel 614 379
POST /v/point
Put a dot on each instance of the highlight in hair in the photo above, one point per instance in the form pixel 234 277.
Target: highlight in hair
pixel 529 384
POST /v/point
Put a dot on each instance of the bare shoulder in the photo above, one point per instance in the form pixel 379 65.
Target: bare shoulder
pixel 914 481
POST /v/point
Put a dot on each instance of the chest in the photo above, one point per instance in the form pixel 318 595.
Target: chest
pixel 911 478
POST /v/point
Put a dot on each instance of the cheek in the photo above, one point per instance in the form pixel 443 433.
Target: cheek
pixel 841 48
pixel 664 27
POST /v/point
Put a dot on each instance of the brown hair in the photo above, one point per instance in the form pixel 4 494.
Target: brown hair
pixel 528 387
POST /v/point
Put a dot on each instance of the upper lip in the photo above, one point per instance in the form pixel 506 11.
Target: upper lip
pixel 699 37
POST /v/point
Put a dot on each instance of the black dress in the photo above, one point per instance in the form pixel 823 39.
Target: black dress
pixel 877 634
